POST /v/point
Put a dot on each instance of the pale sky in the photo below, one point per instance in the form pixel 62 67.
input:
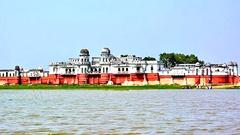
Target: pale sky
pixel 34 33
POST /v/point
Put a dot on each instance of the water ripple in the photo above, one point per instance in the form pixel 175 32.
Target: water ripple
pixel 115 112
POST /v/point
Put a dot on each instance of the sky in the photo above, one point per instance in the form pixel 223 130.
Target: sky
pixel 34 33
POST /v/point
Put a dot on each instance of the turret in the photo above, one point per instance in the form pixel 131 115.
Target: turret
pixel 105 53
pixel 233 68
pixel 18 74
pixel 84 56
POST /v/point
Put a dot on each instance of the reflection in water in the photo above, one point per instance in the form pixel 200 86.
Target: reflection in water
pixel 120 112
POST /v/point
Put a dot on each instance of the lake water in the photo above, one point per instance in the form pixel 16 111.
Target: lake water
pixel 120 112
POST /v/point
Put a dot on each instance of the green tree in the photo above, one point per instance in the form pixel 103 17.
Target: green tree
pixel 171 59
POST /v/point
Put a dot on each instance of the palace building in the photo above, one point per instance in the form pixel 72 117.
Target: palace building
pixel 123 70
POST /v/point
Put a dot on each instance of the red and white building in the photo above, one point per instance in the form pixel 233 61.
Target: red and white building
pixel 122 70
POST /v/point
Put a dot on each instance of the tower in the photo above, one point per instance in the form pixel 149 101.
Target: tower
pixel 84 56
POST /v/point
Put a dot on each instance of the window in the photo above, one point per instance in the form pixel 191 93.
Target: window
pixel 151 68
pixel 103 69
pixel 106 70
pixel 127 69
pixel 122 69
pixel 81 70
pixel 138 69
pixel 119 69
pixel 196 71
pixel 207 72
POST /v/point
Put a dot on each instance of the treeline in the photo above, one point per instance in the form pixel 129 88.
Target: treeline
pixel 171 59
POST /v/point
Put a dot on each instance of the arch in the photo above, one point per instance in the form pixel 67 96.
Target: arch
pixel 103 70
pixel 106 69
pixel 151 68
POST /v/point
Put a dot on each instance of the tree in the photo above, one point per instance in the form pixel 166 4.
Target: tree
pixel 171 59
pixel 149 58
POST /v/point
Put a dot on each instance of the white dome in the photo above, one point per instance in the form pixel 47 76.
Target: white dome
pixel 106 51
pixel 84 52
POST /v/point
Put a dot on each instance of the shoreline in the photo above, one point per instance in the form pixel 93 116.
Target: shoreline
pixel 107 87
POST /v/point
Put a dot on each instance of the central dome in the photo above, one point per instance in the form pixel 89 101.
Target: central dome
pixel 84 52
pixel 105 51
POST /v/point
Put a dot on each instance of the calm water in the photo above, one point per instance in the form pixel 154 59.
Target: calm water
pixel 120 112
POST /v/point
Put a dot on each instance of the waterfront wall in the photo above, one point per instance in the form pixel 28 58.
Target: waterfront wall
pixel 123 79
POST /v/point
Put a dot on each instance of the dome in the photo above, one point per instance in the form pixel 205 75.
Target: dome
pixel 106 51
pixel 17 68
pixel 197 64
pixel 84 52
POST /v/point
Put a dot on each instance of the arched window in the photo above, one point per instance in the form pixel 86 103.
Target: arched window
pixel 82 60
pixel 138 69
pixel 207 72
pixel 127 69
pixel 103 70
pixel 106 70
pixel 119 69
pixel 151 68
pixel 122 69
pixel 196 71
pixel 81 70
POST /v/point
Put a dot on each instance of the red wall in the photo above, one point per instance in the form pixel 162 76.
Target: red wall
pixel 115 78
